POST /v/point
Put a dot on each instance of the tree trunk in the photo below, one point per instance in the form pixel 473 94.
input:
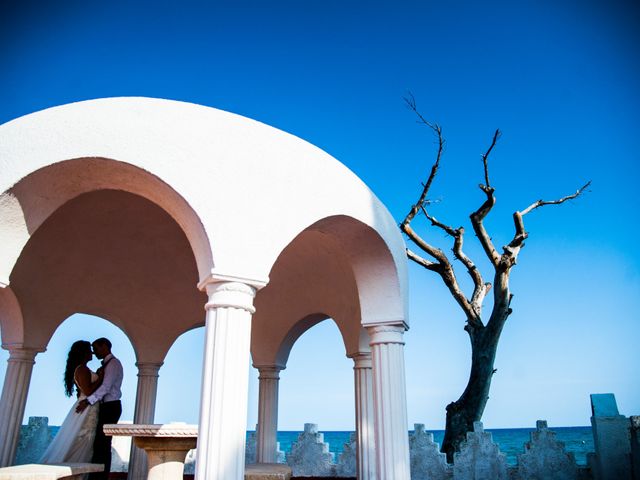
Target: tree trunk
pixel 470 406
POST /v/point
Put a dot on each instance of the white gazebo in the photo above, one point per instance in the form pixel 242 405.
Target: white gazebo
pixel 162 216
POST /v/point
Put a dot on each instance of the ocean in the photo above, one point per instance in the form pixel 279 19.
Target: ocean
pixel 578 440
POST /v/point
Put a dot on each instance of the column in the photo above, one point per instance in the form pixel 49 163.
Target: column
pixel 267 414
pixel 365 432
pixel 390 402
pixel 225 383
pixel 14 399
pixel 143 414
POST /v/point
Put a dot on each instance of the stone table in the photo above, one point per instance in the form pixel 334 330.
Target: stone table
pixel 166 446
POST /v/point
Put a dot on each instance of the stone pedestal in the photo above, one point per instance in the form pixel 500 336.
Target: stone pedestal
pixel 166 446
pixel 144 414
pixel 365 431
pixel 267 429
pixel 390 402
pixel 225 383
pixel 14 399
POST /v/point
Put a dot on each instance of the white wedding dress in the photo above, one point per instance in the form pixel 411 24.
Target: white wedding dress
pixel 74 441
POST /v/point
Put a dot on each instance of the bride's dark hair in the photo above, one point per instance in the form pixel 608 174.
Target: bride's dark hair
pixel 77 355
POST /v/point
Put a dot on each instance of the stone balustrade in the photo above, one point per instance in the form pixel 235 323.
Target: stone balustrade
pixel 479 458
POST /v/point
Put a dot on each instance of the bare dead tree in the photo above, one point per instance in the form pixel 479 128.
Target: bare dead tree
pixel 484 335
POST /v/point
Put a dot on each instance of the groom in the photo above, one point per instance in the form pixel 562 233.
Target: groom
pixel 108 394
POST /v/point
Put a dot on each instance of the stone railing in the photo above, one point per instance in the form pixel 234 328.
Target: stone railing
pixel 616 456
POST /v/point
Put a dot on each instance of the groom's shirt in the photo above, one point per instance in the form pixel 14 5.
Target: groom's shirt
pixel 110 388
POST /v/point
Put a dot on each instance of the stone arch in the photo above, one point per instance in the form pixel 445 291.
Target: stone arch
pixel 112 254
pixel 29 202
pixel 337 268
pixel 378 274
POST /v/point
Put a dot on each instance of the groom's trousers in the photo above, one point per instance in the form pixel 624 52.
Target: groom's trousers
pixel 109 413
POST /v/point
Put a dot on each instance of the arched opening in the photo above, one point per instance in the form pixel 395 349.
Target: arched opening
pixel 116 255
pixel 46 394
pixel 178 397
pixel 113 254
pixel 317 360
pixel 337 268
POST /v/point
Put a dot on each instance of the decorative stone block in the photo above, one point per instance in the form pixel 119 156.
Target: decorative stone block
pixel 250 451
pixel 635 445
pixel 545 457
pixel 427 463
pixel 479 458
pixel 611 438
pixel 346 466
pixel 34 440
pixel 310 455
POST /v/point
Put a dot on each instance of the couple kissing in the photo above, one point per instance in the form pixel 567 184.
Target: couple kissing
pixel 80 438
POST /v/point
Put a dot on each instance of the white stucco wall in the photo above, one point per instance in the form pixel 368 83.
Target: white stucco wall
pixel 240 190
pixel 233 171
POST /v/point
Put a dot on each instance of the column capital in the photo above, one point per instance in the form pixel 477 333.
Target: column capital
pixel 392 333
pixel 361 360
pixel 216 277
pixel 231 295
pixel 148 369
pixel 269 371
pixel 19 353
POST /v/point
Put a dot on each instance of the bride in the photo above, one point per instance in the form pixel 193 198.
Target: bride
pixel 74 441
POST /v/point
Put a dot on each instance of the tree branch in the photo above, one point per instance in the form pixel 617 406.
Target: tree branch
pixel 444 269
pixel 521 234
pixel 479 215
pixel 542 203
pixel 480 288
pixel 485 157
pixel 411 104
pixel 433 266
pixel 424 246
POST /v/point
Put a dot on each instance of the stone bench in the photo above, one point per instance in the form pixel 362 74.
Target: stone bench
pixel 34 471
pixel 267 471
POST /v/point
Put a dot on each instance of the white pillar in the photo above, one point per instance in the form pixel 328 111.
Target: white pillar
pixel 225 382
pixel 267 414
pixel 390 402
pixel 365 432
pixel 14 399
pixel 143 414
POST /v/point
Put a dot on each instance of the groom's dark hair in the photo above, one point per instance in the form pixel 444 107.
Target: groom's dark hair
pixel 103 341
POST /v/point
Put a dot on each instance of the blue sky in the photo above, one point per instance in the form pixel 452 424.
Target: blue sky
pixel 560 79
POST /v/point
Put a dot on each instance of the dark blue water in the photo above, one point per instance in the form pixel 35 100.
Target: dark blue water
pixel 578 440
